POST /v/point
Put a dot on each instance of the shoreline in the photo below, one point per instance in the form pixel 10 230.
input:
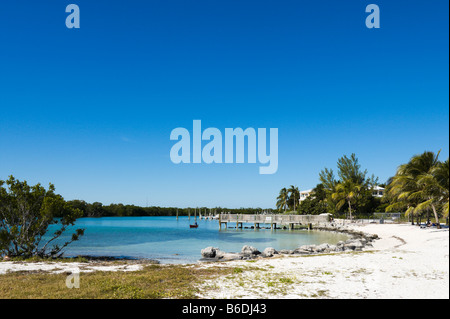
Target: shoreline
pixel 404 262
pixel 92 259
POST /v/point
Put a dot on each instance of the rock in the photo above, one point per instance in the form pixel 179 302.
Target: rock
pixel 358 241
pixel 339 248
pixel 353 245
pixel 249 250
pixel 321 248
pixel 286 252
pixel 220 253
pixel 310 248
pixel 230 256
pixel 209 252
pixel 301 251
pixel 349 246
pixel 358 245
pixel 332 248
pixel 269 252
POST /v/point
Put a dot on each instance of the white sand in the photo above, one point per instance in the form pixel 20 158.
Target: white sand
pixel 63 267
pixel 406 262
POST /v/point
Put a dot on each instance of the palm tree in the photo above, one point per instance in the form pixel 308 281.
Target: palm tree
pixel 282 199
pixel 399 189
pixel 441 173
pixel 294 196
pixel 329 183
pixel 420 185
pixel 352 185
pixel 346 192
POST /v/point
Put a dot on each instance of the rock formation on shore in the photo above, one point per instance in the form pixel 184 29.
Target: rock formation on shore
pixel 357 242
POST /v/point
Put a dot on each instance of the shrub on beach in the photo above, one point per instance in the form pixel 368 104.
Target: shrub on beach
pixel 26 212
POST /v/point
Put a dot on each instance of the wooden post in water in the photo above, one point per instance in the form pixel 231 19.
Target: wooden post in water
pixel 177 213
pixel 189 214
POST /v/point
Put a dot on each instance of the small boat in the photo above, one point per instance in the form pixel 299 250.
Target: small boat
pixel 193 226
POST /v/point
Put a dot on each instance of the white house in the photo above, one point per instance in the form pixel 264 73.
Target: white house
pixel 377 191
pixel 304 194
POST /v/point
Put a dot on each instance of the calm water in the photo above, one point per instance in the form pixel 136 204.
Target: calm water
pixel 172 241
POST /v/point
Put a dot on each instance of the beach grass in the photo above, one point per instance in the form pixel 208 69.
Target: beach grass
pixel 152 282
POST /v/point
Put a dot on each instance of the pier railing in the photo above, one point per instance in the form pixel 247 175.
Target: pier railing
pixel 274 219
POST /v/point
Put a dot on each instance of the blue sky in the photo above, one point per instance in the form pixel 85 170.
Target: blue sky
pixel 91 109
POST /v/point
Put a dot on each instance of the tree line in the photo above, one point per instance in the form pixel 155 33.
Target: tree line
pixel 97 209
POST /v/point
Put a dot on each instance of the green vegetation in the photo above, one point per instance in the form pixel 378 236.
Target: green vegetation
pixel 288 198
pixel 284 280
pixel 315 204
pixel 152 282
pixel 97 209
pixel 294 196
pixel 282 199
pixel 418 189
pixel 352 192
pixel 420 186
pixel 237 270
pixel 26 212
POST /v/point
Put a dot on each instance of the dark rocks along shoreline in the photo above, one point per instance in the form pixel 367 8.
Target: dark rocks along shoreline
pixel 357 242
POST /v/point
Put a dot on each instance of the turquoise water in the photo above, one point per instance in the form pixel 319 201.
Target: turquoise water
pixel 172 241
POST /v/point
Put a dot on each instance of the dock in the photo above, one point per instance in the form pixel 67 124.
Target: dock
pixel 273 220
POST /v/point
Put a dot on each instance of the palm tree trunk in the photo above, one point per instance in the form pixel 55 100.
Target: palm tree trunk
pixel 436 216
pixel 350 209
pixel 410 215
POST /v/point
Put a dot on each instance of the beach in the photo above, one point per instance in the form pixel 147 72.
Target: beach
pixel 405 262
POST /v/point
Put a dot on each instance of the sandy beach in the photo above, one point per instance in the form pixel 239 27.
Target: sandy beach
pixel 405 262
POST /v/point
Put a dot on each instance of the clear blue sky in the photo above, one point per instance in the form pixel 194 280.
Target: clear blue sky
pixel 91 109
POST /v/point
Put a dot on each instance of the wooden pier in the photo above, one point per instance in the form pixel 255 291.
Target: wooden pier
pixel 273 220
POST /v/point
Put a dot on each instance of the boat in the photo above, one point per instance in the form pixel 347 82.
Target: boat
pixel 193 226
